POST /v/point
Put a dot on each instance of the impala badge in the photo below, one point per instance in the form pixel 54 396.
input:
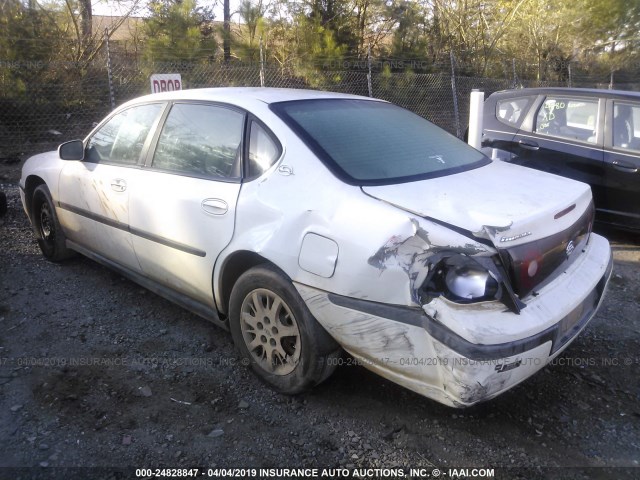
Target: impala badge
pixel 515 237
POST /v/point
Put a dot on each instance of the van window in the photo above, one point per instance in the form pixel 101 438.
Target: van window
pixel 568 118
pixel 511 110
pixel 626 126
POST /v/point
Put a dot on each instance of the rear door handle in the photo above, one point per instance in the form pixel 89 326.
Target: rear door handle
pixel 624 167
pixel 215 206
pixel 118 185
pixel 528 145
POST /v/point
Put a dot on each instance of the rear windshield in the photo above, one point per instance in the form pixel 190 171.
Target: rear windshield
pixel 367 142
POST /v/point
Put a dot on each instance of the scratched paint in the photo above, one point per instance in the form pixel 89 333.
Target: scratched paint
pixel 414 255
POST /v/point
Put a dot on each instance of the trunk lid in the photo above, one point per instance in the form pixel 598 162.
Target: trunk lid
pixel 504 203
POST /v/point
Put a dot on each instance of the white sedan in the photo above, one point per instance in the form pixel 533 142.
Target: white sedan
pixel 310 222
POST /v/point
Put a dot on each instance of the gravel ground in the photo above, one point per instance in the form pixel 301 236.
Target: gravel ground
pixel 98 372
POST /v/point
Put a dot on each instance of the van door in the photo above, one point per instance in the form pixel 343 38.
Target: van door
pixel 620 203
pixel 564 136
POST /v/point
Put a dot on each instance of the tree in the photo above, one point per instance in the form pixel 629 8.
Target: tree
pixel 179 30
pixel 27 32
pixel 252 17
pixel 86 20
pixel 610 32
pixel 226 33
pixel 410 37
pixel 77 27
pixel 543 34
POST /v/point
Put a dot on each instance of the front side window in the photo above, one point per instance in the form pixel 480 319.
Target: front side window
pixel 511 111
pixel 626 126
pixel 568 118
pixel 201 140
pixel 122 138
pixel 366 142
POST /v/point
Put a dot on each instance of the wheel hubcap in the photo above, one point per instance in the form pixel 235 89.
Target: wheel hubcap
pixel 46 225
pixel 270 332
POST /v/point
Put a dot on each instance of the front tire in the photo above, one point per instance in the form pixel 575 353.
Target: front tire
pixel 49 234
pixel 277 335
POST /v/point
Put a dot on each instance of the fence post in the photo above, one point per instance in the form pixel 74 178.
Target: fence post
pixel 569 73
pixel 611 80
pixel 454 90
pixel 109 73
pixel 369 86
pixel 261 64
pixel 515 75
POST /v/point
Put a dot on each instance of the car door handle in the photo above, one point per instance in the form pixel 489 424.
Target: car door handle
pixel 528 145
pixel 215 206
pixel 624 167
pixel 118 185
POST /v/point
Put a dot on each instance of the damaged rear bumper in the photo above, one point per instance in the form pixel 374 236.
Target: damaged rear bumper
pixel 460 355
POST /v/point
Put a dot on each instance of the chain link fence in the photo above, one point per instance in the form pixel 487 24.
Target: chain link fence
pixel 44 104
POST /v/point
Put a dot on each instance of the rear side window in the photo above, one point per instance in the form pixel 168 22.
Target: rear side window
pixel 122 138
pixel 512 110
pixel 626 126
pixel 366 142
pixel 568 118
pixel 264 150
pixel 201 140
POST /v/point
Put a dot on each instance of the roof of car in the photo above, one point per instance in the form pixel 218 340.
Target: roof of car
pixel 238 95
pixel 568 91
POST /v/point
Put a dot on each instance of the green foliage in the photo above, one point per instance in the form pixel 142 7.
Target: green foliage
pixel 609 31
pixel 28 33
pixel 252 30
pixel 179 30
pixel 308 36
pixel 410 38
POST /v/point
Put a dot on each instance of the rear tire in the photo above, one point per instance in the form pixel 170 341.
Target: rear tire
pixel 276 334
pixel 49 234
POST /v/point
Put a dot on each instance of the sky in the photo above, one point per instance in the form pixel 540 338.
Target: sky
pixel 115 8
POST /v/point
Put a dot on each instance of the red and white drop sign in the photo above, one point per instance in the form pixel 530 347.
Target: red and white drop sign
pixel 165 82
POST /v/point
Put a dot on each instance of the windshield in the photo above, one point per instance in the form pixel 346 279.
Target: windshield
pixel 367 142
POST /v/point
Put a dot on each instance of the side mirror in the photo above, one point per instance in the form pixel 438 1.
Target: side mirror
pixel 73 150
